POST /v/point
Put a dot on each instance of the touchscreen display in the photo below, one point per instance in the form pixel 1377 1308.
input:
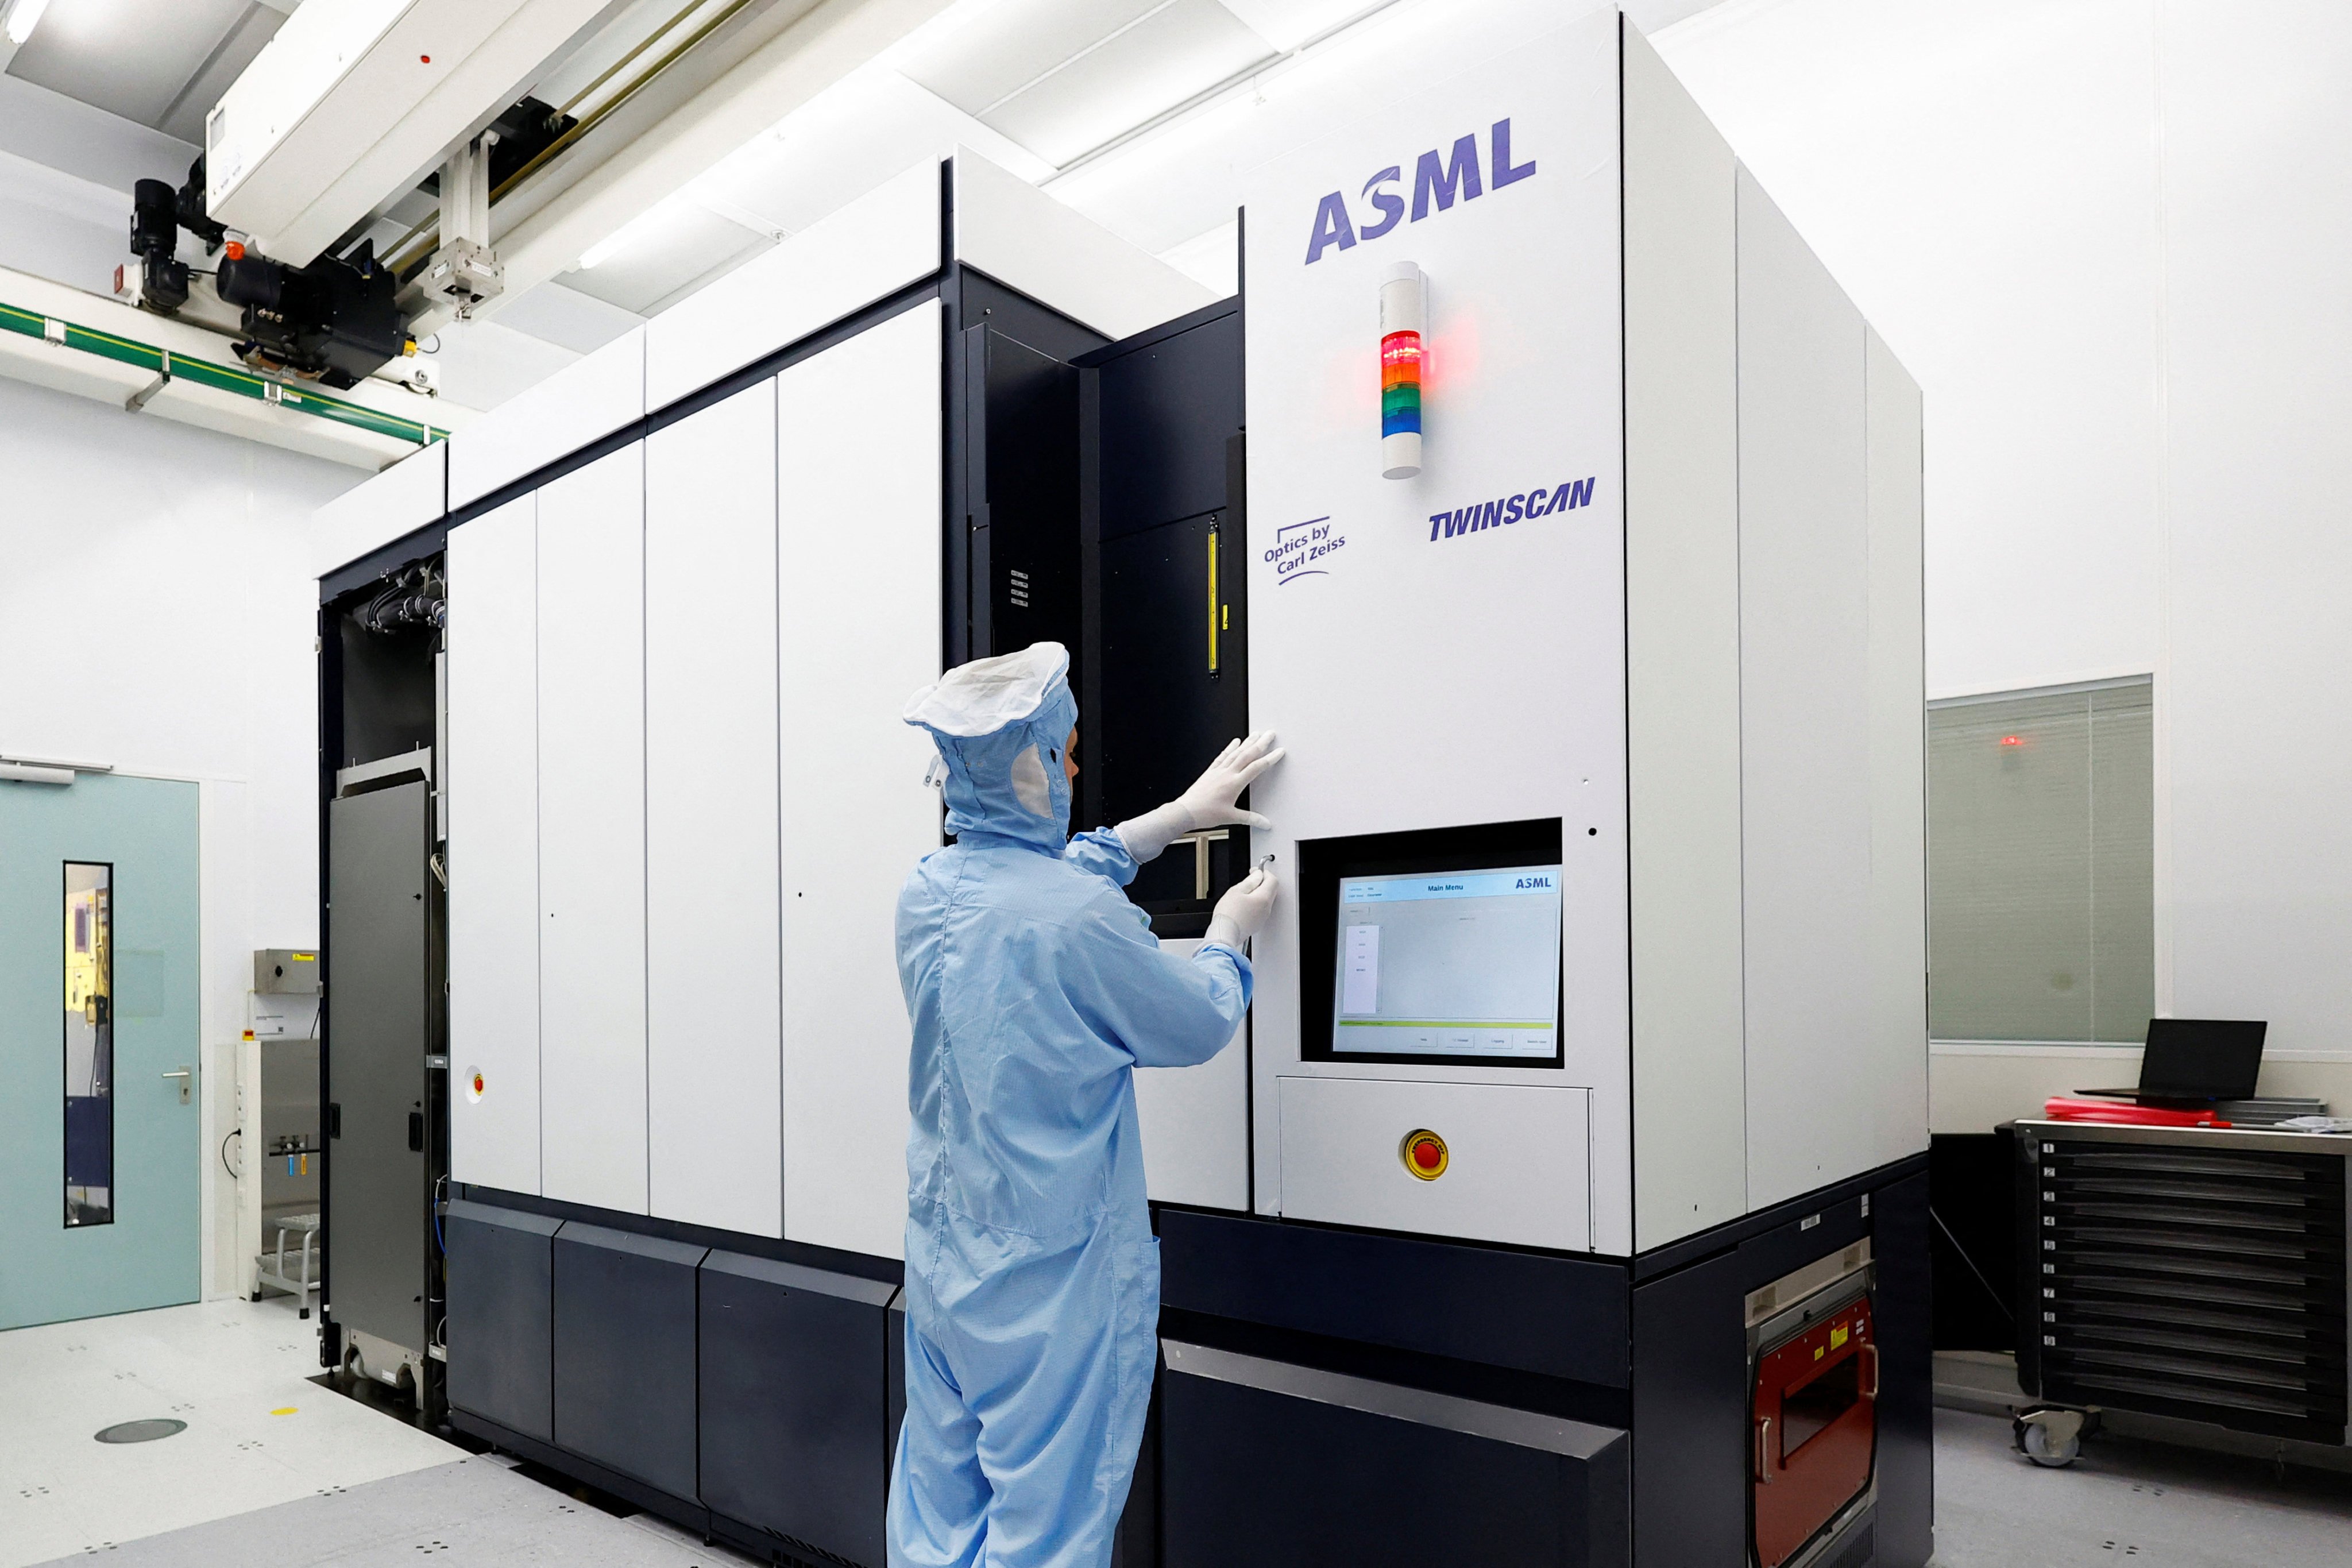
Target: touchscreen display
pixel 1459 964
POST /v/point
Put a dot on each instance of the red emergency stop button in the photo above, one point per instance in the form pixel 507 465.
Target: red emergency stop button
pixel 1423 1153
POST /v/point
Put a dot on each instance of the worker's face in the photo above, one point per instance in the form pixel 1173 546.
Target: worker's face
pixel 1070 756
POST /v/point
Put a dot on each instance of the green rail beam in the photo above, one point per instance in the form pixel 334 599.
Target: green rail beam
pixel 203 372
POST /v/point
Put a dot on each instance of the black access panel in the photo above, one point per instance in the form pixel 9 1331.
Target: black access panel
pixel 794 1370
pixel 1269 1465
pixel 378 934
pixel 500 1273
pixel 1165 557
pixel 623 1344
pixel 1011 503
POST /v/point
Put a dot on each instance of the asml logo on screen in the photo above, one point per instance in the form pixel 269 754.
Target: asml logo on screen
pixel 1442 177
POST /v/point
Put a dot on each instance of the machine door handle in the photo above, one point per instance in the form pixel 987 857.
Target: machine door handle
pixel 1870 1349
pixel 416 1131
pixel 1764 1450
pixel 184 1075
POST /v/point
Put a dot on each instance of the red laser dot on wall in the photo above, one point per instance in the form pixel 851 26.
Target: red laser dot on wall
pixel 2012 740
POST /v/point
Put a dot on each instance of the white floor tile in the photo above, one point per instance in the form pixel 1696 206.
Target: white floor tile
pixel 258 1432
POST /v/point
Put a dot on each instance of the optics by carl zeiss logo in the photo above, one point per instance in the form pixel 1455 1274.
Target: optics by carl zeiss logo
pixel 1540 502
pixel 1441 178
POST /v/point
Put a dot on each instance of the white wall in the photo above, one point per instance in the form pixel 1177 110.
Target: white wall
pixel 156 613
pixel 2107 236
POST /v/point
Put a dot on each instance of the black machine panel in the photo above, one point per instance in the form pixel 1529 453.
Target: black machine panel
pixel 379 1022
pixel 1168 404
pixel 794 1365
pixel 501 1281
pixel 1531 1312
pixel 1905 1525
pixel 623 1344
pixel 1690 1415
pixel 1012 544
pixel 1263 1463
pixel 1166 672
pixel 1024 415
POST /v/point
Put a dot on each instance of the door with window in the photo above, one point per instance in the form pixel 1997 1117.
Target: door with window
pixel 97 1047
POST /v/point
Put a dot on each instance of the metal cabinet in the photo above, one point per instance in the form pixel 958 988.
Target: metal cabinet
pixel 2184 1272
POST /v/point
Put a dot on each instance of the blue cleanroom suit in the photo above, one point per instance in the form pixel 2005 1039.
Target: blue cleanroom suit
pixel 1033 1276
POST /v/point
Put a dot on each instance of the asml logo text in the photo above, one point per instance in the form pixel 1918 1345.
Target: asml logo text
pixel 1440 178
pixel 1542 501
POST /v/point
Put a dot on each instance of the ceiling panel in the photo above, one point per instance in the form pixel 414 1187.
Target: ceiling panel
pixel 184 118
pixel 1006 47
pixel 685 244
pixel 844 144
pixel 1172 54
pixel 1287 23
pixel 137 57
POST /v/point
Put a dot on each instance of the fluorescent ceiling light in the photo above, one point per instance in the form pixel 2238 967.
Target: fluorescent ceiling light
pixel 23 17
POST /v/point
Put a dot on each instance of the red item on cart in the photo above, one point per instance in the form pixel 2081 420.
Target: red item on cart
pixel 2124 1113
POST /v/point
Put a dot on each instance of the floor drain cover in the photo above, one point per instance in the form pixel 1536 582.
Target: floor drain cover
pixel 141 1431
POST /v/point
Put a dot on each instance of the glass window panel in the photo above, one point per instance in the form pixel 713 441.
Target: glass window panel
pixel 2041 866
pixel 88 944
pixel 2123 862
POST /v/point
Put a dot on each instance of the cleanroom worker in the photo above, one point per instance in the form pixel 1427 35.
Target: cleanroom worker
pixel 1035 987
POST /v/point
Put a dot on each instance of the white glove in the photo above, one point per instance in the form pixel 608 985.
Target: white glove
pixel 1208 802
pixel 1241 913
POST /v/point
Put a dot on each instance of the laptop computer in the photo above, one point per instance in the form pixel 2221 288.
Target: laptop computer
pixel 2195 1062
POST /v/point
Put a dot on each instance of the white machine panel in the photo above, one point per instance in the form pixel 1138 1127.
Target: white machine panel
pixel 1448 649
pixel 713 1150
pixel 1681 638
pixel 1898 761
pixel 1516 1167
pixel 586 400
pixel 1804 590
pixel 404 496
pixel 859 505
pixel 884 240
pixel 1019 234
pixel 1196 1123
pixel 492 781
pixel 592 833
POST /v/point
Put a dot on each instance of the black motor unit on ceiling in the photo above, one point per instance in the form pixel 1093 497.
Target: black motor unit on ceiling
pixel 334 318
pixel 333 321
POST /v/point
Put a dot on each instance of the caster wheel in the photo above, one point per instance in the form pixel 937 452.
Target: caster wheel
pixel 2051 1439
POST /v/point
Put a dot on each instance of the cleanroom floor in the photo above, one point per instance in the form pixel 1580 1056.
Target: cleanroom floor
pixel 2157 1504
pixel 273 1468
pixel 258 1434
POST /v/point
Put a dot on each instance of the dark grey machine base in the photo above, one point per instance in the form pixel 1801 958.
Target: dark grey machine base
pixel 1326 1396
pixel 750 1397
pixel 1451 1351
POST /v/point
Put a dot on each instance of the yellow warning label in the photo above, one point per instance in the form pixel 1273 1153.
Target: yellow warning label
pixel 1839 1335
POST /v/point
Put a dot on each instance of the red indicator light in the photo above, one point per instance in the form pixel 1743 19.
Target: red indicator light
pixel 2012 740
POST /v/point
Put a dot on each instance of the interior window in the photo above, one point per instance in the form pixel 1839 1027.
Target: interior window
pixel 90 1043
